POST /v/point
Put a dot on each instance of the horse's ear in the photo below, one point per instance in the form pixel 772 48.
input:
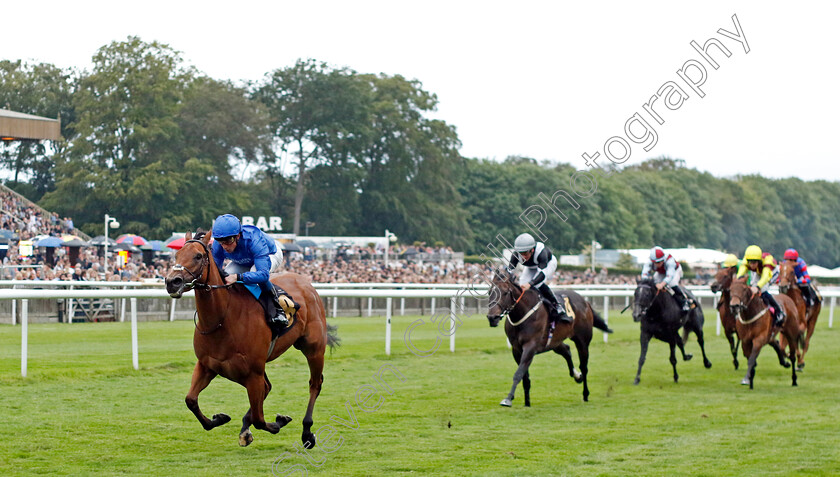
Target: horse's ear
pixel 207 237
pixel 188 236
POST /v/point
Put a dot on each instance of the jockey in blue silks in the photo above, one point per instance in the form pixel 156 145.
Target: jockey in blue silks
pixel 253 257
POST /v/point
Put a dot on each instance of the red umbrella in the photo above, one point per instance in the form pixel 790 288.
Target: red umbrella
pixel 177 243
pixel 131 239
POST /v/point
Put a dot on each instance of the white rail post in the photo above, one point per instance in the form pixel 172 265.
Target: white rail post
pixel 335 306
pixel 135 360
pixel 388 326
pixel 432 307
pixel 452 317
pixel 402 306
pixel 24 335
pixel 370 306
pixel 606 315
pixel 14 312
pixel 717 314
pixel 831 314
pixel 122 308
pixel 172 310
pixel 71 308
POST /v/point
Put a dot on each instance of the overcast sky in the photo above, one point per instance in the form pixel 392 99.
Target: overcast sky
pixel 549 80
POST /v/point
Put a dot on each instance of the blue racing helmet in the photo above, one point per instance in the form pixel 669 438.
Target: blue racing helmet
pixel 226 226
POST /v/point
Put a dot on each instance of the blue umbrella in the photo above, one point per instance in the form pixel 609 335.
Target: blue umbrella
pixel 154 245
pixel 51 242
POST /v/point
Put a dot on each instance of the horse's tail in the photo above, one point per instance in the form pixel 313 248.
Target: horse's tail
pixel 333 340
pixel 599 322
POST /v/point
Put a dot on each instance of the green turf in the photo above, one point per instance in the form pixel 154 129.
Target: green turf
pixel 83 409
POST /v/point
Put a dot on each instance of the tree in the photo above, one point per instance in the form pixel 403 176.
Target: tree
pixel 317 113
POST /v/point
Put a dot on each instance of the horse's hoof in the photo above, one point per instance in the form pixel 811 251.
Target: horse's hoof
pixel 282 420
pixel 578 376
pixel 688 357
pixel 736 364
pixel 246 438
pixel 220 419
pixel 786 364
pixel 707 364
pixel 506 402
pixel 308 440
pixel 636 381
pixel 745 381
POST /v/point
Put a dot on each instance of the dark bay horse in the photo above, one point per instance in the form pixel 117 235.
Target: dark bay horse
pixel 755 326
pixel 527 329
pixel 233 340
pixel 723 280
pixel 661 318
pixel 789 287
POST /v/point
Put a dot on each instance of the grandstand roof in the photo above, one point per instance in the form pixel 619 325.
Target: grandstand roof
pixel 14 125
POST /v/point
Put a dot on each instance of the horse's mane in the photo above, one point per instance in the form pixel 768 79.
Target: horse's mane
pixel 199 234
pixel 646 281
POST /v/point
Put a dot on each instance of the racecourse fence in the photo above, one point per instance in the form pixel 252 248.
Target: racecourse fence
pixel 94 297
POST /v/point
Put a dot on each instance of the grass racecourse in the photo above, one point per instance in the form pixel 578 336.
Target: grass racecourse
pixel 83 409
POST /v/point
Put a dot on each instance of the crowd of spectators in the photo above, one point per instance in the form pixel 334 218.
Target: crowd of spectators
pixel 417 263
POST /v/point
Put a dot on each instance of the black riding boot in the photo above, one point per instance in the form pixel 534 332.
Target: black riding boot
pixel 779 316
pixel 560 312
pixel 683 300
pixel 806 294
pixel 278 315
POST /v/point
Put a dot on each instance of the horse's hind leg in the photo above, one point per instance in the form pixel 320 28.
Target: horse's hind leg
pixel 564 351
pixel 679 342
pixel 793 348
pixel 780 352
pixel 644 339
pixel 245 436
pixel 698 331
pixel 673 359
pixel 316 380
pixel 583 358
pixel 201 379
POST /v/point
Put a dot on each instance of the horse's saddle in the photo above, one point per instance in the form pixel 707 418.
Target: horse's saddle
pixel 566 304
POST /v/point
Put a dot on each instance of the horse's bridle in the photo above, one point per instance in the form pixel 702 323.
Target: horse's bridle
pixel 505 315
pixel 652 299
pixel 205 267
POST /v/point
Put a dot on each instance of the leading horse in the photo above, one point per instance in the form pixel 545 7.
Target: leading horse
pixel 527 329
pixel 661 318
pixel 233 340
pixel 755 326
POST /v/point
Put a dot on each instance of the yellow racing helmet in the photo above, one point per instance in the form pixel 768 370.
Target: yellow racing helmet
pixel 753 252
pixel 730 261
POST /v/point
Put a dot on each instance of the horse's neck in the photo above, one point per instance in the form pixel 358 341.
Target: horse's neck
pixel 526 303
pixel 212 304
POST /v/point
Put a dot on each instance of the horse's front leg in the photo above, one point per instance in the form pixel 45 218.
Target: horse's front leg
pixel 780 352
pixel 524 362
pixel 257 389
pixel 644 339
pixel 733 347
pixel 756 349
pixel 201 379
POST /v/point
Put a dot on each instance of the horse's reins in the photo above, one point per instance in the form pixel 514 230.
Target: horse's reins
pixel 530 312
pixel 195 283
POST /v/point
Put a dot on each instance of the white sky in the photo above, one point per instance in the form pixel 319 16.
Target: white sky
pixel 549 80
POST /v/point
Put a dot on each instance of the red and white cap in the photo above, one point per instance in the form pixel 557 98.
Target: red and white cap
pixel 657 254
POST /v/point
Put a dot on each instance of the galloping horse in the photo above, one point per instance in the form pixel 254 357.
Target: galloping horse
pixel 232 338
pixel 661 318
pixel 527 329
pixel 788 286
pixel 723 280
pixel 755 326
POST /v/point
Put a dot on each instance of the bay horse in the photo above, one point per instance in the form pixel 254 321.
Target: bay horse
pixel 722 282
pixel 755 325
pixel 233 340
pixel 789 287
pixel 527 329
pixel 661 318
